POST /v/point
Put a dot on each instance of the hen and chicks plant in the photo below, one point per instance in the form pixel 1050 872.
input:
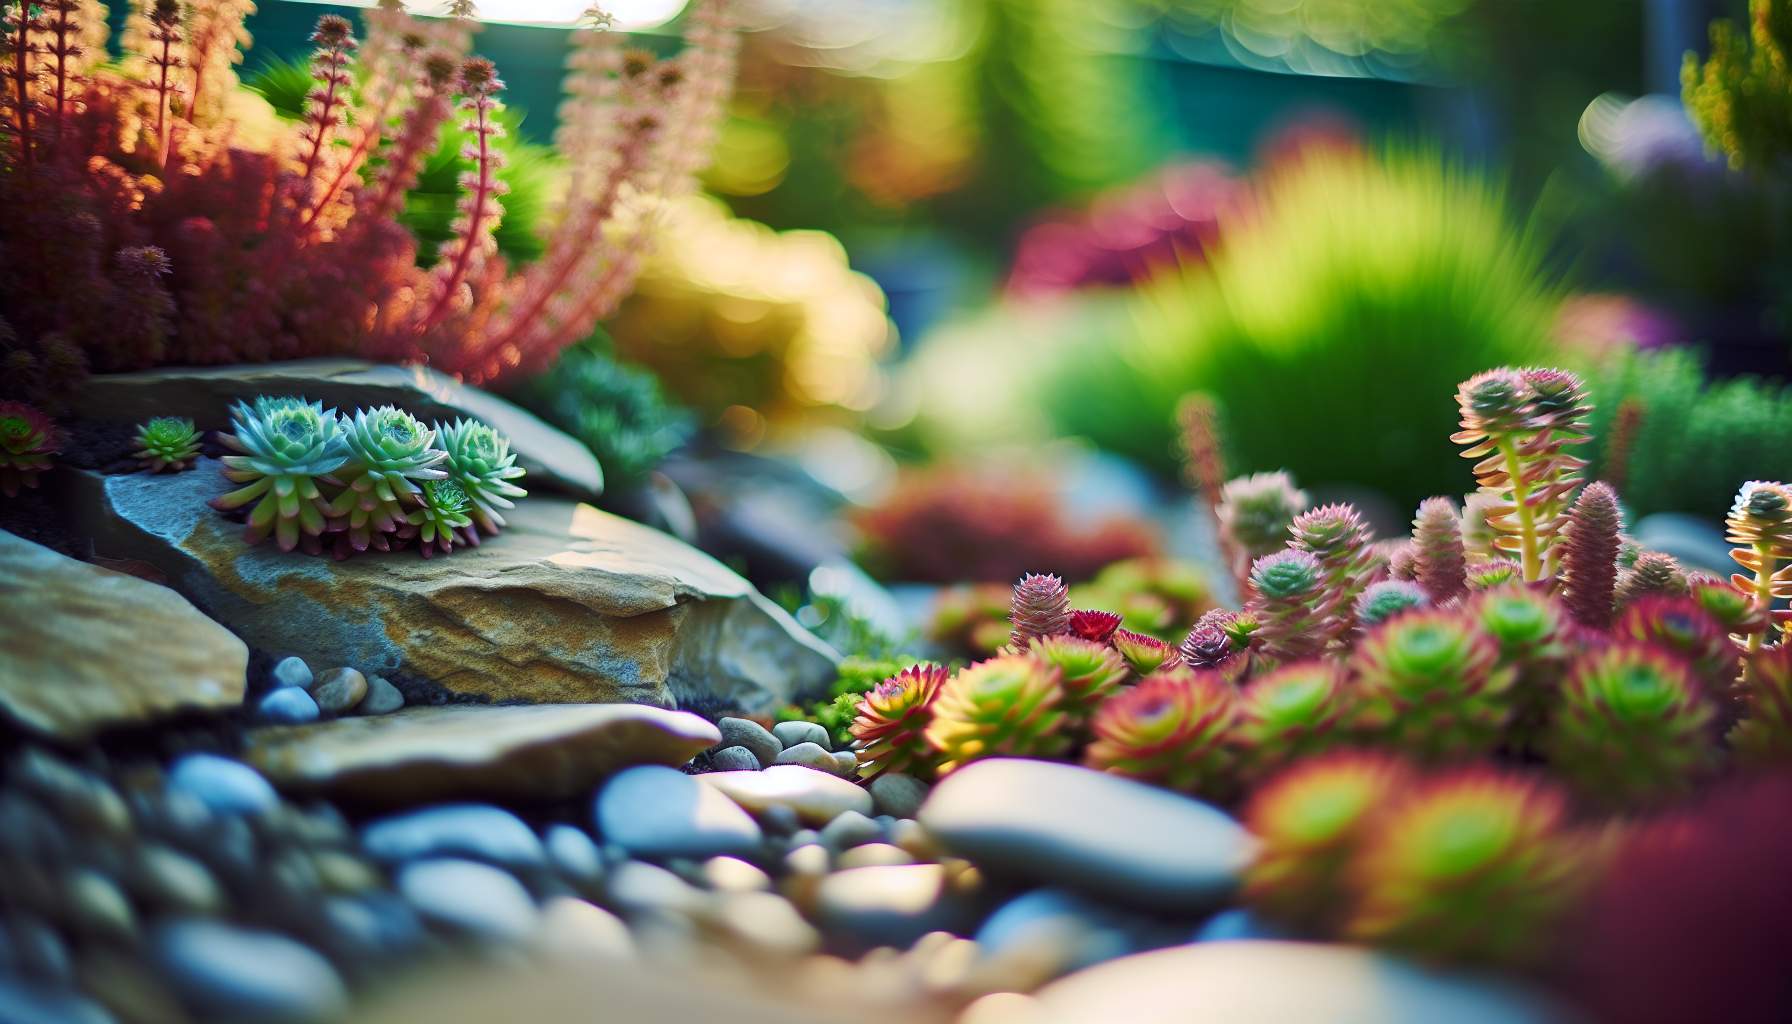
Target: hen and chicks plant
pixel 371 480
pixel 167 444
pixel 28 442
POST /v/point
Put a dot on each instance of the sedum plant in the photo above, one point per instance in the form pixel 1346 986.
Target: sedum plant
pixel 1288 599
pixel 1144 654
pixel 1475 865
pixel 390 456
pixel 1764 734
pixel 1344 546
pixel 1431 684
pixel 167 444
pixel 1534 636
pixel 1760 525
pixel 28 440
pixel 479 460
pixel 1633 726
pixel 286 448
pixel 1171 730
pixel 889 728
pixel 1090 669
pixel 1254 514
pixel 1385 599
pixel 1007 706
pixel 1039 608
pixel 1440 559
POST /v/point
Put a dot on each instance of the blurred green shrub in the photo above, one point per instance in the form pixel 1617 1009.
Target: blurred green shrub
pixel 617 410
pixel 1358 289
pixel 1697 441
pixel 1741 97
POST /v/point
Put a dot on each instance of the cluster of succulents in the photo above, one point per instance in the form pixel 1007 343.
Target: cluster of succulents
pixel 379 479
pixel 1413 725
pixel 29 441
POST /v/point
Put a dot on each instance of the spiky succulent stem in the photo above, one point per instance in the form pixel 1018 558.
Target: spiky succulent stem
pixel 1254 513
pixel 1203 463
pixel 1475 866
pixel 1337 536
pixel 1289 599
pixel 1040 608
pixel 1651 573
pixel 1764 735
pixel 889 729
pixel 28 440
pixel 1531 630
pixel 1442 560
pixel 1386 599
pixel 1144 654
pixel 1430 683
pixel 1590 560
pixel 1760 525
pixel 1010 705
pixel 1170 730
pixel 1519 426
pixel 1633 726
pixel 167 444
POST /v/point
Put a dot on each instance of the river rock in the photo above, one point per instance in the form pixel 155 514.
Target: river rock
pixel 887 906
pixel 553 458
pixel 471 897
pixel 1067 825
pixel 222 785
pixel 1230 982
pixel 88 648
pixel 792 733
pixel 479 831
pixel 462 751
pixel 239 974
pixel 810 755
pixel 897 795
pixel 288 705
pixel 733 759
pixel 742 732
pixel 653 811
pixel 339 690
pixel 382 698
pixel 569 605
pixel 815 796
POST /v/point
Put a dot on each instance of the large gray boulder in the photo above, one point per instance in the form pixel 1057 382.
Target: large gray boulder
pixel 554 459
pixel 568 605
pixel 88 648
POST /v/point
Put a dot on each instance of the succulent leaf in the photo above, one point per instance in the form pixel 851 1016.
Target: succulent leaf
pixel 1633 726
pixel 1430 683
pixel 890 726
pixel 1007 706
pixel 1171 730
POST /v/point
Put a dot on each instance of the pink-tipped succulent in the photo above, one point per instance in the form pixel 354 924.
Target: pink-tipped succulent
pixel 1144 654
pixel 1681 627
pixel 1632 726
pixel 1098 626
pixel 1402 558
pixel 1289 599
pixel 889 731
pixel 1386 599
pixel 1040 608
pixel 1007 706
pixel 28 441
pixel 1342 542
pixel 390 455
pixel 1090 670
pixel 1497 573
pixel 1651 573
pixel 1171 729
pixel 1590 556
pixel 1442 561
pixel 167 444
pixel 480 461
pixel 1430 683
pixel 1255 512
pixel 1292 713
pixel 286 447
pixel 1475 866
pixel 1518 426
pixel 1207 647
pixel 1309 822
pixel 441 516
pixel 1534 635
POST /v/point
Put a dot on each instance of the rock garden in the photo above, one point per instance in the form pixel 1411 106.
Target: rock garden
pixel 452 572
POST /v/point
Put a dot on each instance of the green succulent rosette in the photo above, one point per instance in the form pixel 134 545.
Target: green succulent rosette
pixel 889 726
pixel 1007 706
pixel 167 444
pixel 390 456
pixel 481 462
pixel 1430 683
pixel 27 441
pixel 1633 727
pixel 1298 710
pixel 1169 730
pixel 442 514
pixel 286 447
pixel 1091 670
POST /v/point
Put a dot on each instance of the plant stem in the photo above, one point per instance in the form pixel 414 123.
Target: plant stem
pixel 1763 592
pixel 1527 524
